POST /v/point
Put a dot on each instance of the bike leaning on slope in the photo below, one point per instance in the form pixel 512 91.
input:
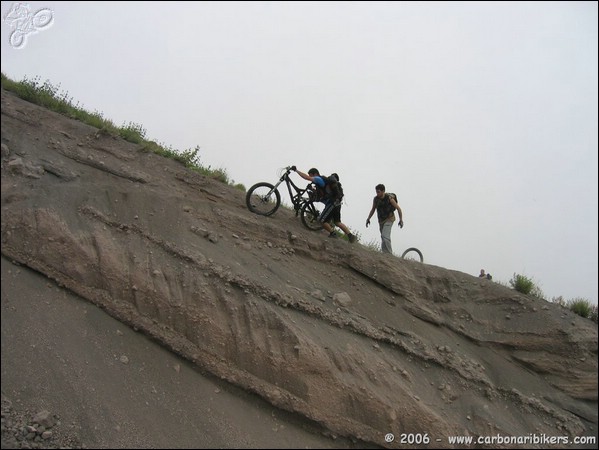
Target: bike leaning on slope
pixel 264 199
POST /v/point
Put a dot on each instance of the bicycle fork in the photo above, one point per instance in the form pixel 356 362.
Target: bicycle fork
pixel 274 188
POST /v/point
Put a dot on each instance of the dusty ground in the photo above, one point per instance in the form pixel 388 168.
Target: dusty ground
pixel 113 387
pixel 145 306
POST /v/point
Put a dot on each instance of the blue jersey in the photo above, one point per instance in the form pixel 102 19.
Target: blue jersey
pixel 319 181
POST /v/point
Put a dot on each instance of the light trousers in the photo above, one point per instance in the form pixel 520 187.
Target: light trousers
pixel 386 237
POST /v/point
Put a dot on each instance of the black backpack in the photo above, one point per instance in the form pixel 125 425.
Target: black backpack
pixel 332 188
pixel 384 207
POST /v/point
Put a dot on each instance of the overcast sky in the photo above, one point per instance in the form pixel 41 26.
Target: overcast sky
pixel 481 116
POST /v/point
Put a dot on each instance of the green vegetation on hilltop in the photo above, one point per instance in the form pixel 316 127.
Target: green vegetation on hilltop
pixel 49 96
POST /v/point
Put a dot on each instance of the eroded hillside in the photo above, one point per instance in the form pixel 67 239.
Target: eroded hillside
pixel 362 343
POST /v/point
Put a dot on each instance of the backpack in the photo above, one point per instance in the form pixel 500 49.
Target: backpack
pixel 335 188
pixel 332 188
pixel 384 208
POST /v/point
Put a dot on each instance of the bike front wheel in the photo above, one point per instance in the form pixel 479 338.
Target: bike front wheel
pixel 263 199
pixel 413 254
pixel 309 216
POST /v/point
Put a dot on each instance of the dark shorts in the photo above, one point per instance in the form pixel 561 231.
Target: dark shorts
pixel 331 212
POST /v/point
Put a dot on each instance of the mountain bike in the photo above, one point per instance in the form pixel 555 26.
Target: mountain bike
pixel 413 254
pixel 264 199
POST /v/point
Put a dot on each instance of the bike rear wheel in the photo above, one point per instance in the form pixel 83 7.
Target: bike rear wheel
pixel 309 216
pixel 263 199
pixel 413 254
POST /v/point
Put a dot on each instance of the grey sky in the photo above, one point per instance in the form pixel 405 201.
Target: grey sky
pixel 481 116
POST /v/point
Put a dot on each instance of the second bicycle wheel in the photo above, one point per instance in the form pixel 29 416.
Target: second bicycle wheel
pixel 309 216
pixel 263 199
pixel 413 254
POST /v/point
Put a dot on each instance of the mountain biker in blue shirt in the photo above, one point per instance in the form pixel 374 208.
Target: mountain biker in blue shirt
pixel 330 195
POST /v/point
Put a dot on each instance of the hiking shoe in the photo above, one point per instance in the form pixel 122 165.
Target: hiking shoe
pixel 352 238
pixel 333 234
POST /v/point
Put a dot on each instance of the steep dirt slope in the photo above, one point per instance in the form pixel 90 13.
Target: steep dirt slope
pixel 361 343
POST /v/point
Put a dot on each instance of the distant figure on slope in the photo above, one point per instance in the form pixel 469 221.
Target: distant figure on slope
pixel 485 275
pixel 385 205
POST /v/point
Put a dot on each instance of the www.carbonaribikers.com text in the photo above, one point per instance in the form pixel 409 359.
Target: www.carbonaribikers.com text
pixel 536 439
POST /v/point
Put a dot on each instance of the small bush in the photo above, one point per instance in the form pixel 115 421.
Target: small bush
pixel 522 284
pixel 190 157
pixel 580 306
pixel 221 175
pixel 133 132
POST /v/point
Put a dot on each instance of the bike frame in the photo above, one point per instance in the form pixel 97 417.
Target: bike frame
pixel 296 198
